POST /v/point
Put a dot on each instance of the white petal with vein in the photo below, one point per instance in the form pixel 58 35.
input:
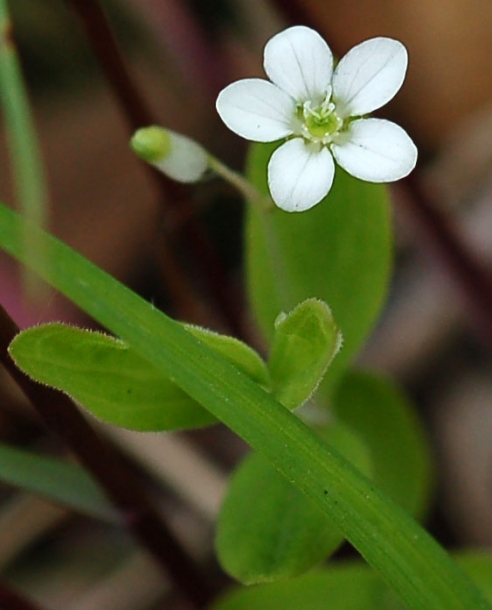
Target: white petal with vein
pixel 376 150
pixel 256 110
pixel 300 175
pixel 300 62
pixel 369 76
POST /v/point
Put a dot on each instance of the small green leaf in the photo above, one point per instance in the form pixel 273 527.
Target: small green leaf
pixel 339 251
pixel 236 352
pixel 65 484
pixel 384 418
pixel 267 529
pixel 340 587
pixel 115 383
pixel 304 344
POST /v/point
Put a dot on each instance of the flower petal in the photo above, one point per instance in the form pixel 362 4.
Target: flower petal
pixel 369 76
pixel 300 62
pixel 186 161
pixel 256 110
pixel 375 150
pixel 300 175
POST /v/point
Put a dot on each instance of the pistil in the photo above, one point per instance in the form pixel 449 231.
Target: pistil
pixel 320 124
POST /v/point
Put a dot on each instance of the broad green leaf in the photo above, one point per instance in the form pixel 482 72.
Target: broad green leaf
pixel 478 565
pixel 343 586
pixel 410 560
pixel 304 343
pixel 339 252
pixel 383 417
pixel 63 483
pixel 114 382
pixel 236 352
pixel 474 562
pixel 267 529
pixel 351 586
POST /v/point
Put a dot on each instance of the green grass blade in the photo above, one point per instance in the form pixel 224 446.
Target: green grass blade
pixel 391 541
pixel 65 484
pixel 27 168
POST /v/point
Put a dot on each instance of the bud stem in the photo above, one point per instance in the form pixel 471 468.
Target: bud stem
pixel 250 192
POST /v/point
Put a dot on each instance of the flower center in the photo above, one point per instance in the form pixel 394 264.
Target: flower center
pixel 321 123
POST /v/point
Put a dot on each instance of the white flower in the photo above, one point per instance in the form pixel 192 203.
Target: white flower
pixel 175 155
pixel 320 111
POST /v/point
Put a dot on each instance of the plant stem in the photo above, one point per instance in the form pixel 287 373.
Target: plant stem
pixel 123 488
pixel 249 192
pixel 137 114
pixel 12 600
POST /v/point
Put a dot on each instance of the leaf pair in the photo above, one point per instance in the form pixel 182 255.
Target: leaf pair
pixel 117 385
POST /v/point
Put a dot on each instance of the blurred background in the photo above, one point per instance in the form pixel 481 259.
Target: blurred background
pixel 172 245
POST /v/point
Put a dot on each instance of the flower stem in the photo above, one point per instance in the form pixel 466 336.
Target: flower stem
pixel 250 192
pixel 107 466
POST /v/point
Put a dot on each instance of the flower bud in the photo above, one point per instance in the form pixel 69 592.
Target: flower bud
pixel 175 155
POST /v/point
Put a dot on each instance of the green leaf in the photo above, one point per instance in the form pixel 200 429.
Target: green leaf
pixel 419 569
pixel 478 565
pixel 110 380
pixel 268 529
pixel 344 586
pixel 304 344
pixel 114 382
pixel 339 252
pixel 341 587
pixel 62 483
pixel 384 418
pixel 246 359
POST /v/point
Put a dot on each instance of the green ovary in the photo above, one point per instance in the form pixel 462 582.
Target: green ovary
pixel 321 125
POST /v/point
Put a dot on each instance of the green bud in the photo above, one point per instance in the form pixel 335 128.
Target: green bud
pixel 173 154
pixel 151 144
